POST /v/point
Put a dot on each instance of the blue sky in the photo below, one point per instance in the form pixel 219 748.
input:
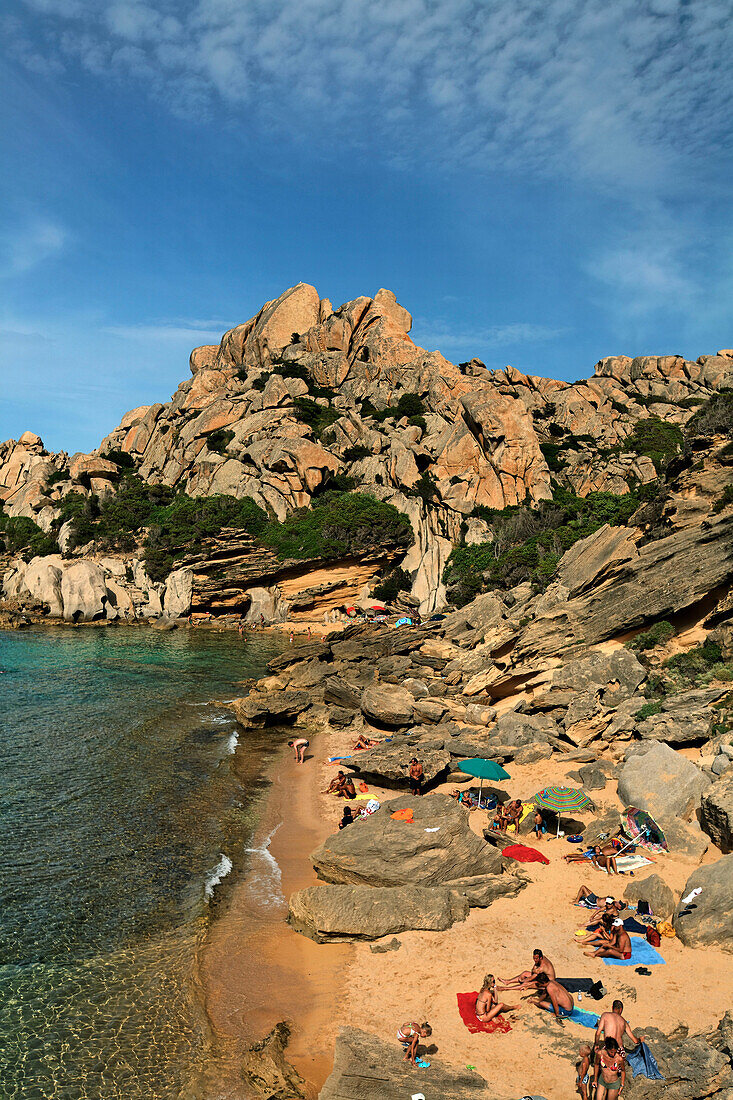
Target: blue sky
pixel 541 183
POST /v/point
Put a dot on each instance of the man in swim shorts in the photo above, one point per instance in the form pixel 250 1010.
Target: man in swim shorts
pixel 528 978
pixel 299 745
pixel 612 1025
pixel 416 776
pixel 619 948
pixel 553 997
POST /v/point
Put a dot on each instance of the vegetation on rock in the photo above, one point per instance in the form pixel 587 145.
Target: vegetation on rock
pixel 20 535
pixel 529 542
pixel 657 635
pixel 340 524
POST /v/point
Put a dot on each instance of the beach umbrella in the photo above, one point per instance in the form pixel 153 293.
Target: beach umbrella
pixel 482 769
pixel 562 800
pixel 404 621
pixel 643 829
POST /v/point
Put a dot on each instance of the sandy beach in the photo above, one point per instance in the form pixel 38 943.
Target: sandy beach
pixel 257 971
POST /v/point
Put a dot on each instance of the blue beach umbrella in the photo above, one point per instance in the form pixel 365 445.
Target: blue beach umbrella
pixel 483 769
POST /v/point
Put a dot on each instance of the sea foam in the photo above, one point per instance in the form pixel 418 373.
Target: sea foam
pixel 265 879
pixel 214 877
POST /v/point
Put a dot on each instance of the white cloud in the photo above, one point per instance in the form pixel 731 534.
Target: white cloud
pixel 198 332
pixel 443 334
pixel 26 246
pixel 631 94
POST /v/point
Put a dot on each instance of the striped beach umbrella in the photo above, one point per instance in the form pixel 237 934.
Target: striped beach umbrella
pixel 562 800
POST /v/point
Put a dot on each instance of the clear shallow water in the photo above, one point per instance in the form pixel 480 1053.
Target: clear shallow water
pixel 119 810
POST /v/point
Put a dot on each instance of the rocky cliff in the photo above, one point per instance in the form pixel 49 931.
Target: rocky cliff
pixel 303 398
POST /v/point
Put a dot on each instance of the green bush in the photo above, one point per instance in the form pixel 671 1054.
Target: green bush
pixel 178 527
pixel 656 439
pixel 715 417
pixel 553 456
pixel 725 498
pixel 354 454
pixel 317 417
pixel 658 634
pixel 701 663
pixel 648 710
pixel 528 542
pixel 410 405
pixel 21 535
pixel 395 582
pixel 124 460
pixel 56 477
pixel 219 440
pixel 424 488
pixel 340 524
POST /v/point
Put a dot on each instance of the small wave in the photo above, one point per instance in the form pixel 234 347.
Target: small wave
pixel 221 720
pixel 265 880
pixel 231 743
pixel 214 877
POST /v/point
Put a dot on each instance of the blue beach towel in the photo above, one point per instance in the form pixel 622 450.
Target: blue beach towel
pixel 586 1019
pixel 642 954
pixel 642 1063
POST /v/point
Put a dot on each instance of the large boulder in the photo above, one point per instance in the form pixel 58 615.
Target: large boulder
pixel 83 592
pixel 662 782
pixel 390 761
pixel 368 1068
pixel 42 581
pixel 178 592
pixel 716 813
pixel 435 849
pixel 654 890
pixel 329 913
pixel 387 705
pixel 709 920
pixel 692 1066
pixel 271 709
pixel 266 1070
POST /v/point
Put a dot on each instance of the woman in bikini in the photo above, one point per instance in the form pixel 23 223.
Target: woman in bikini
pixel 409 1035
pixel 488 1004
pixel 601 935
pixel 610 1071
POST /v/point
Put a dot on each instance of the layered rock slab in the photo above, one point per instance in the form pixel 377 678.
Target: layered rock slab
pixel 330 913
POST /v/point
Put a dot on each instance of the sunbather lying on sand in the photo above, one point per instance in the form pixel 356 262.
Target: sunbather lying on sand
pixel 363 742
pixel 590 855
pixel 528 978
pixel 488 1004
pixel 619 948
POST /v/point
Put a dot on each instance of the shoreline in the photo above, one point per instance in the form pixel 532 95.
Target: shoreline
pixel 253 969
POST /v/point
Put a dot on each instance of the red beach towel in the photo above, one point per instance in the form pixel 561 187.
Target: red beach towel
pixel 466 1003
pixel 524 854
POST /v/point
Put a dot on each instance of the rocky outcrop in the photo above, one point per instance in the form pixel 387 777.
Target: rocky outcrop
pixel 693 1066
pixel 387 706
pixel 654 890
pixel 435 849
pixel 709 918
pixel 662 782
pixel 330 914
pixel 368 1067
pixel 268 1073
pixel 716 812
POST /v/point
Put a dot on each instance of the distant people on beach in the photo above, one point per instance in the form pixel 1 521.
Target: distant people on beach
pixel 347 818
pixel 363 742
pixel 409 1036
pixel 342 786
pixel 488 1004
pixel 416 776
pixel 539 824
pixel 299 745
pixel 528 978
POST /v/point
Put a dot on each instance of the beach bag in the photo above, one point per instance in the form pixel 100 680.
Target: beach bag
pixel 666 929
pixel 653 937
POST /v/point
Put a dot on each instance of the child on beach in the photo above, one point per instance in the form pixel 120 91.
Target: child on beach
pixel 538 823
pixel 582 1071
pixel 409 1035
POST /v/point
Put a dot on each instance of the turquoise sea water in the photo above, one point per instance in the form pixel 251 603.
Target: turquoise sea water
pixel 119 812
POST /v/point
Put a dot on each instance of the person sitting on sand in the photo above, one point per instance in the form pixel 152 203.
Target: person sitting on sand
pixel 610 1071
pixel 620 946
pixel 464 797
pixel 348 790
pixel 552 996
pixel 363 742
pixel 336 785
pixel 409 1035
pixel 602 934
pixel 610 909
pixel 299 745
pixel 347 818
pixel 488 1004
pixel 528 978
pixel 582 1071
pixel 612 1025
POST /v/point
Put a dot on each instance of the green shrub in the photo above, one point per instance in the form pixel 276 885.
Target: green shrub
pixel 339 524
pixel 410 405
pixel 21 535
pixel 424 488
pixel 317 417
pixel 725 498
pixel 702 663
pixel 219 440
pixel 354 454
pixel 528 542
pixel 648 710
pixel 177 528
pixel 715 417
pixel 56 477
pixel 124 460
pixel 656 439
pixel 658 634
pixel 553 456
pixel 395 582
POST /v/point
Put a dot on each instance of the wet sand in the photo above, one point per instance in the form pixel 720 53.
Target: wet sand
pixel 255 971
